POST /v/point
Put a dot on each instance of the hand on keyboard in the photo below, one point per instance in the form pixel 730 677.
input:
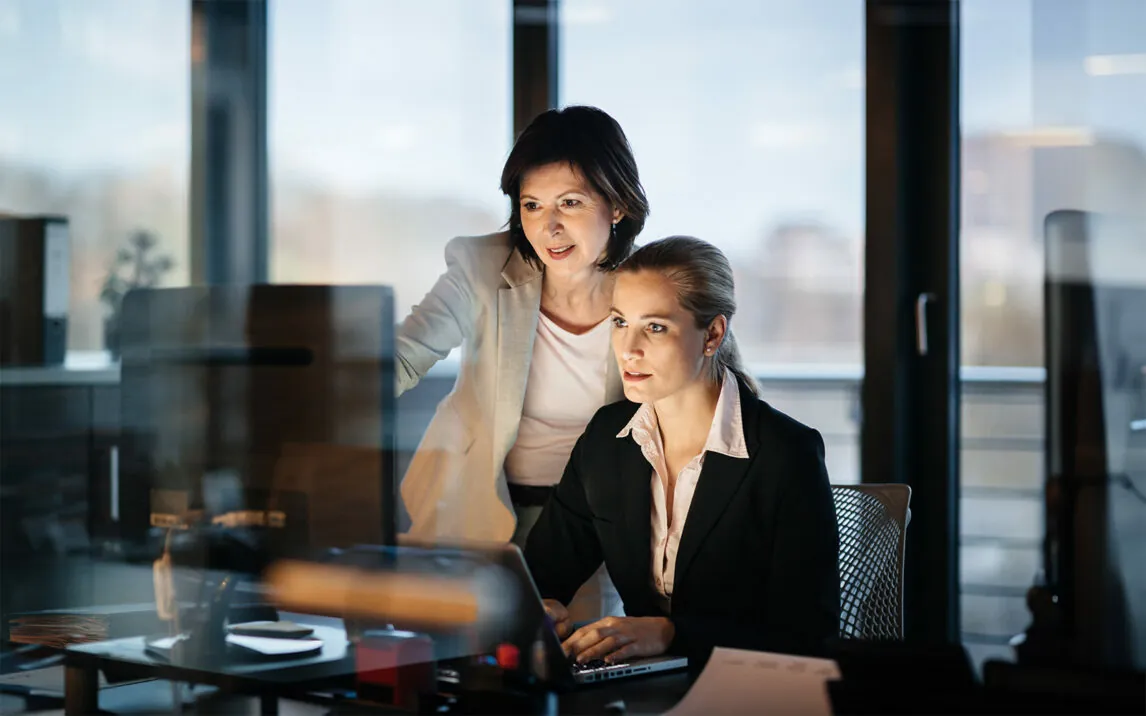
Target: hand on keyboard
pixel 617 638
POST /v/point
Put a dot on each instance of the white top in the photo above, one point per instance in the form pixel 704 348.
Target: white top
pixel 566 387
pixel 726 436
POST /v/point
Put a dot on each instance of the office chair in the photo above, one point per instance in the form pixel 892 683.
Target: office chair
pixel 872 521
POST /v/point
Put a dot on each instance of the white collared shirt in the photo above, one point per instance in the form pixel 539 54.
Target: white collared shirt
pixel 726 436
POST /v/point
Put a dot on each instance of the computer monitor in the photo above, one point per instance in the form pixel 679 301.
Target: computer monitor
pixel 1095 334
pixel 265 414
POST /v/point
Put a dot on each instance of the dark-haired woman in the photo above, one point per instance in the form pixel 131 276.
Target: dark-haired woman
pixel 530 308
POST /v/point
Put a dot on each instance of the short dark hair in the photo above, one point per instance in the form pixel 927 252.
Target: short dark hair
pixel 594 144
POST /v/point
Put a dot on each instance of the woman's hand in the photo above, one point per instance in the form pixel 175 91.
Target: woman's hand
pixel 616 638
pixel 562 622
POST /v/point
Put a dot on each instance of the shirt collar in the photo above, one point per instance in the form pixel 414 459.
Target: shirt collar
pixel 726 436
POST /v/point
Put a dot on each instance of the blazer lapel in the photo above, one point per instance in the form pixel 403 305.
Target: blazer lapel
pixel 719 479
pixel 636 503
pixel 518 308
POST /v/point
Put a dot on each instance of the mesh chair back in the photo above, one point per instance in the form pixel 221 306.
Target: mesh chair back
pixel 872 522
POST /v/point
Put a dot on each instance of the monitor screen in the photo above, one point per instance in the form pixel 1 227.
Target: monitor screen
pixel 266 413
pixel 1095 325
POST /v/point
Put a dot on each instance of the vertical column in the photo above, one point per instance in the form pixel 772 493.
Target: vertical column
pixel 229 185
pixel 910 430
pixel 535 83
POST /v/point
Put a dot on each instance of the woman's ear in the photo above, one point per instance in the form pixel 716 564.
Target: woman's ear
pixel 617 215
pixel 714 335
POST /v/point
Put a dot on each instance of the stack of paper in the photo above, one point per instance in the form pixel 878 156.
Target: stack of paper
pixel 58 630
pixel 754 682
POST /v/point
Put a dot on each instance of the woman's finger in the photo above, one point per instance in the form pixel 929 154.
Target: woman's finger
pixel 625 652
pixel 604 647
pixel 586 638
pixel 563 627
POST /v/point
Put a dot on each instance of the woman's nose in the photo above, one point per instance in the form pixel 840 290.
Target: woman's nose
pixel 553 221
pixel 630 351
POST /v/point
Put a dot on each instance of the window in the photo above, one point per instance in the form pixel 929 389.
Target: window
pixel 747 122
pixel 1054 117
pixel 95 127
pixel 389 123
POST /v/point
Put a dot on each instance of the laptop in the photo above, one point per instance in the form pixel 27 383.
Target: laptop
pixel 592 671
pixel 528 610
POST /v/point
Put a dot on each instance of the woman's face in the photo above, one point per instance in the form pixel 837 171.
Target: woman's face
pixel 566 221
pixel 658 347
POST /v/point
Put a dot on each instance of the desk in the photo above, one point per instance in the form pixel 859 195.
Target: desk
pixel 333 667
pixel 128 659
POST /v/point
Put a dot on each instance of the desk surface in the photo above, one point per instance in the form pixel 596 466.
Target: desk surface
pixel 333 661
pixel 642 695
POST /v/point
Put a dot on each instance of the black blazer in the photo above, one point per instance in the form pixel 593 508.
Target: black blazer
pixel 758 564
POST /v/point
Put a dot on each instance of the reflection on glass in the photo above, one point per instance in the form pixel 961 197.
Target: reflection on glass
pixel 94 126
pixel 1054 118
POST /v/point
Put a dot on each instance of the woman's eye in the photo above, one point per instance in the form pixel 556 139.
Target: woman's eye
pixel 619 322
pixel 572 202
pixel 656 328
pixel 529 205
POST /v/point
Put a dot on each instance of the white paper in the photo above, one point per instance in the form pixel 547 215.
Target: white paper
pixel 755 682
pixel 167 642
pixel 271 645
pixel 261 644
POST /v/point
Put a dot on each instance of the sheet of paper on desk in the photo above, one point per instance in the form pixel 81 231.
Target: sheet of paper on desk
pixel 755 682
pixel 278 647
pixel 261 644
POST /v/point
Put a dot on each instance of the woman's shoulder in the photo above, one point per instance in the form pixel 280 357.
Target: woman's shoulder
pixel 487 248
pixel 479 260
pixel 775 427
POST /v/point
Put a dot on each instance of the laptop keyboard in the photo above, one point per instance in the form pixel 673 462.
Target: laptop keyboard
pixel 595 665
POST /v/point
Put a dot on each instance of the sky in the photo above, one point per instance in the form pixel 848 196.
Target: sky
pixel 742 113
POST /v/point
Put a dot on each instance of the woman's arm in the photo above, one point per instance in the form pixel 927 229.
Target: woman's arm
pixel 804 583
pixel 562 549
pixel 802 598
pixel 439 323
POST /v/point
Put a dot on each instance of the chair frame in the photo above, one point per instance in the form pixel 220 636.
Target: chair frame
pixel 895 500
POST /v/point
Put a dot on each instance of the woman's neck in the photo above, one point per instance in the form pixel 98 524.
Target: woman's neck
pixel 685 417
pixel 584 296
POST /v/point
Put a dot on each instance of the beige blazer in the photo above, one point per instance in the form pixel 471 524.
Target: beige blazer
pixel 488 302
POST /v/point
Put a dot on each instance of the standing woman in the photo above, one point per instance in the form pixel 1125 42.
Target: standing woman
pixel 530 309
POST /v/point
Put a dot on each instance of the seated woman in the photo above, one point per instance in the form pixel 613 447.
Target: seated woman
pixel 710 508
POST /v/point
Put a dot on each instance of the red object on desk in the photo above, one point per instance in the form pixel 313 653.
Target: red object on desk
pixel 508 656
pixel 395 667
